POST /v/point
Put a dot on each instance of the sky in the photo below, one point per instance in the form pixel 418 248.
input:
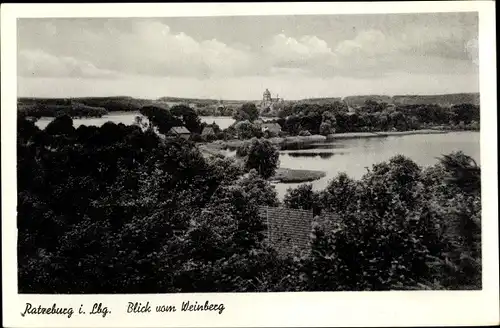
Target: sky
pixel 239 57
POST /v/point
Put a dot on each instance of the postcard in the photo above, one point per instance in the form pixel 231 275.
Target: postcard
pixel 249 164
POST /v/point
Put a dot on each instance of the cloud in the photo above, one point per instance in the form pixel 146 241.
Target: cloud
pixel 37 63
pixel 359 56
pixel 368 43
pixel 152 48
pixel 472 48
pixel 305 55
pixel 146 48
pixel 287 48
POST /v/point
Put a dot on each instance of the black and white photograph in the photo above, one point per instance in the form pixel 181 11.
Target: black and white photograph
pixel 249 154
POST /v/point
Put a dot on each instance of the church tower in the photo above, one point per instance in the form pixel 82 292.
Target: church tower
pixel 266 98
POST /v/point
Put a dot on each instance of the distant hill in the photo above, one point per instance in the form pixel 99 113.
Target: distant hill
pixel 125 103
pixel 320 101
pixel 197 101
pixel 360 100
pixel 443 100
pixel 110 104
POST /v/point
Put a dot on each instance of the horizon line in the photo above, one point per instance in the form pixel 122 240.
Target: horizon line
pixel 250 100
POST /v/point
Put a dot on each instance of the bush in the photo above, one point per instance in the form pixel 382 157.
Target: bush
pixel 303 197
pixel 196 137
pixel 247 130
pixel 341 194
pixel 247 112
pixel 364 252
pixel 116 209
pixel 262 156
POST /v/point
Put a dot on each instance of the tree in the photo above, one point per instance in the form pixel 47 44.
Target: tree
pixel 326 128
pixel 398 121
pixel 285 111
pixel 340 195
pixel 330 118
pixel 393 186
pixel 189 117
pixel 247 130
pixel 465 113
pixel 263 157
pixel 161 118
pixel 453 187
pixel 248 111
pixel 372 106
pixel 462 172
pixel 303 197
pixel 61 125
pixel 260 191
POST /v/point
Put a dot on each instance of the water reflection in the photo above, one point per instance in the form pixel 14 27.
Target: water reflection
pixel 353 156
pixel 324 155
pixel 307 146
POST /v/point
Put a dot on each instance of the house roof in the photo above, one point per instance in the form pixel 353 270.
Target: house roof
pixel 287 228
pixel 179 130
pixel 207 130
pixel 271 126
pixel 291 228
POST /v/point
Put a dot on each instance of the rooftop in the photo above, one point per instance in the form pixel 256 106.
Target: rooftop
pixel 271 126
pixel 291 228
pixel 207 130
pixel 180 130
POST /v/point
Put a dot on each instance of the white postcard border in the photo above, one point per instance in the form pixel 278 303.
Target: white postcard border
pixel 422 308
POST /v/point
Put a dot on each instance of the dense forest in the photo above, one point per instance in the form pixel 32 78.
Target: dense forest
pixel 374 116
pixel 117 209
pixel 78 107
pixel 372 112
pixel 303 119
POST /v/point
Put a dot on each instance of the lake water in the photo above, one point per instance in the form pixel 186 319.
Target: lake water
pixel 353 156
pixel 128 118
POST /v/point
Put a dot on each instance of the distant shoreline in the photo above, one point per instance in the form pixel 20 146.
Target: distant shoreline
pixel 283 141
pixel 399 98
pixel 287 175
pixel 356 135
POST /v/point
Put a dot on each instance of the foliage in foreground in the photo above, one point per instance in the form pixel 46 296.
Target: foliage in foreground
pixel 116 209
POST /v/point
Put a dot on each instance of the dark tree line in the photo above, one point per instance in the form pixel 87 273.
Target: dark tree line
pixel 116 209
pixel 374 116
pixel 398 227
pixel 179 115
pixel 73 110
pixel 78 107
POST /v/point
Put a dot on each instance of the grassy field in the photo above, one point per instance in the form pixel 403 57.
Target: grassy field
pixel 285 175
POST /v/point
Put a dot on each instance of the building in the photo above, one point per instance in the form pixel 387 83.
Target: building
pixel 220 105
pixel 179 131
pixel 268 103
pixel 208 130
pixel 290 229
pixel 271 127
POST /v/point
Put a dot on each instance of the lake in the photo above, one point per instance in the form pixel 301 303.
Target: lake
pixel 353 156
pixel 128 118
